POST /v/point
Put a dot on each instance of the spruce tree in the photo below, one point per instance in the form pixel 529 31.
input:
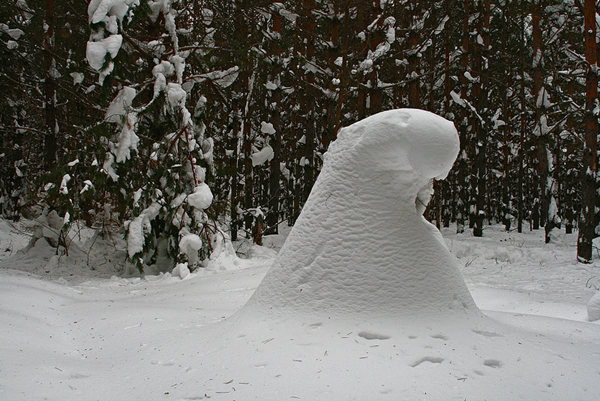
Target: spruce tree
pixel 156 157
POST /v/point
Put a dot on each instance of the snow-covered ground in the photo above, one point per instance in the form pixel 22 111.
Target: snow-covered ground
pixel 362 301
pixel 72 331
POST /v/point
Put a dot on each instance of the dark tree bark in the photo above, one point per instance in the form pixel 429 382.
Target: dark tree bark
pixel 590 158
pixel 507 128
pixel 308 105
pixel 234 160
pixel 345 73
pixel 522 129
pixel 275 139
pixel 481 97
pixel 414 87
pixel 50 137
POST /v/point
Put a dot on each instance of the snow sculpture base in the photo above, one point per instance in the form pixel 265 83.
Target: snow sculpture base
pixel 361 246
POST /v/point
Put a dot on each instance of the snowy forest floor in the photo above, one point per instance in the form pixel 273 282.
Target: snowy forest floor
pixel 76 328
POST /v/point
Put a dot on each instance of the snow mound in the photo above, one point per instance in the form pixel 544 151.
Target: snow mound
pixel 593 307
pixel 361 246
pixel 181 270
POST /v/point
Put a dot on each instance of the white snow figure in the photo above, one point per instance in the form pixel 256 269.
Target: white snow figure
pixel 361 246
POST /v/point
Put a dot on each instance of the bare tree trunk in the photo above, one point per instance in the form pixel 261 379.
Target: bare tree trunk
pixel 522 128
pixel 363 20
pixel 309 100
pixel 414 86
pixel 506 129
pixel 275 139
pixel 233 162
pixel 480 94
pixel 541 206
pixel 590 158
pixel 345 73
pixel 463 177
pixel 50 137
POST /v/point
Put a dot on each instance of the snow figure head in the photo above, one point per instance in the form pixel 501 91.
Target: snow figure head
pixel 361 246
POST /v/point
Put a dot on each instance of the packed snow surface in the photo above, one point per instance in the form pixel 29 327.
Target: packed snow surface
pixel 71 332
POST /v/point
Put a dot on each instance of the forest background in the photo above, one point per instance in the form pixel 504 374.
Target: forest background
pixel 245 96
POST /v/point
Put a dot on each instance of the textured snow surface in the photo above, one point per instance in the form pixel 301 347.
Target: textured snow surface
pixel 128 140
pixel 99 9
pixel 176 95
pixel 135 233
pixel 361 246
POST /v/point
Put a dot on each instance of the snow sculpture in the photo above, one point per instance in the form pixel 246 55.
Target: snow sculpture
pixel 361 246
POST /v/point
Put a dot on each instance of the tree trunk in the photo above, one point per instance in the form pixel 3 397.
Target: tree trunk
pixel 507 183
pixel 466 142
pixel 275 139
pixel 309 100
pixel 522 129
pixel 590 168
pixel 234 161
pixel 480 95
pixel 541 115
pixel 344 73
pixel 50 137
pixel 414 86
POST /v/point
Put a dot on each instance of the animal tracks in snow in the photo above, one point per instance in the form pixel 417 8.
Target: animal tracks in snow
pixel 373 336
pixel 492 363
pixel 487 333
pixel 431 359
pixel 440 337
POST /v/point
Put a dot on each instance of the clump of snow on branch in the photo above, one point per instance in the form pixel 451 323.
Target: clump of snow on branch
pixel 137 228
pixel 267 128
pixel 190 244
pixel 106 41
pixel 262 156
pixel 201 198
pixel 118 108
